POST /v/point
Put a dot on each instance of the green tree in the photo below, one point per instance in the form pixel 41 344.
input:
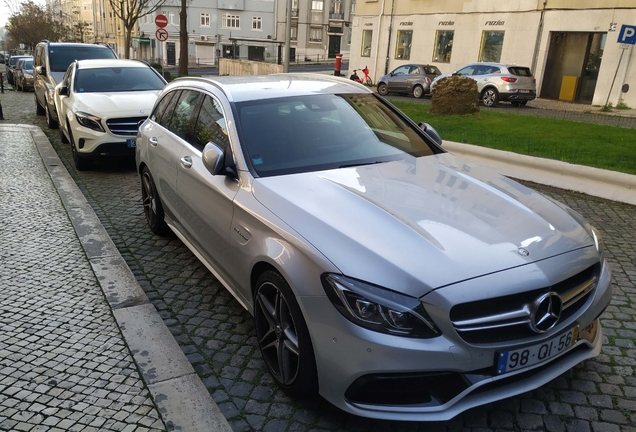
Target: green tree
pixel 129 12
pixel 32 23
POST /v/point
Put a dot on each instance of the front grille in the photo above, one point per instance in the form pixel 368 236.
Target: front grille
pixel 124 126
pixel 508 318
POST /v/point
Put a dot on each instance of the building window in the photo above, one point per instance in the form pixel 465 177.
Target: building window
pixel 316 5
pixel 491 44
pixel 443 46
pixel 294 33
pixel 403 48
pixel 231 22
pixel 315 34
pixel 337 10
pixel 257 24
pixel 205 20
pixel 367 37
pixel 349 31
pixel 352 11
pixel 87 7
pixel 171 19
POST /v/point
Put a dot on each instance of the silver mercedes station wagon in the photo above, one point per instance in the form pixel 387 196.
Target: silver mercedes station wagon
pixel 393 278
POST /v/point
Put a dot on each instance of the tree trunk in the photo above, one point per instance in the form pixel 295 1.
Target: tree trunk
pixel 183 39
pixel 127 39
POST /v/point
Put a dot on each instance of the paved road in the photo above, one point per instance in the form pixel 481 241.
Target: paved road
pixel 218 335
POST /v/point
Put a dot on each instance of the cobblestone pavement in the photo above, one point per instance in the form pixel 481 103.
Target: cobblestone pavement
pixel 218 335
pixel 63 361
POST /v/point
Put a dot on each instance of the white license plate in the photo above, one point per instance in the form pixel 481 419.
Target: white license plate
pixel 524 91
pixel 131 142
pixel 509 361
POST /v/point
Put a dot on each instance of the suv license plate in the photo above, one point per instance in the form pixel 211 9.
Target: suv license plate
pixel 132 143
pixel 524 91
pixel 508 361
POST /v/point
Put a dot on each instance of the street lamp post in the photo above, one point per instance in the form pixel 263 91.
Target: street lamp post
pixel 287 36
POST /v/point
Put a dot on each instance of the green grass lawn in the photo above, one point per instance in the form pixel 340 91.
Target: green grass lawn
pixel 605 147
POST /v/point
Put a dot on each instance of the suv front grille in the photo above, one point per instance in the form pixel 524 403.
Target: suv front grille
pixel 508 318
pixel 124 126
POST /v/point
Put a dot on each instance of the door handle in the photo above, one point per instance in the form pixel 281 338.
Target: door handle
pixel 186 161
pixel 153 141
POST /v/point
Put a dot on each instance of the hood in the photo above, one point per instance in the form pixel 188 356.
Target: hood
pixel 121 104
pixel 414 227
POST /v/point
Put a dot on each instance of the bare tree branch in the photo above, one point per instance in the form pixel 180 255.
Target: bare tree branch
pixel 129 12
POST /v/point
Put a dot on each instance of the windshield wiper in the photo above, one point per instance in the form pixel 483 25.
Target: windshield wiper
pixel 361 164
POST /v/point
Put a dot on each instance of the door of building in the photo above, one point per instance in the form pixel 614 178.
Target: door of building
pixel 334 45
pixel 572 66
pixel 170 52
pixel 256 53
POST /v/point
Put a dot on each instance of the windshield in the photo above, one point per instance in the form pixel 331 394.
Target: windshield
pixel 60 57
pixel 117 79
pixel 317 132
pixel 28 64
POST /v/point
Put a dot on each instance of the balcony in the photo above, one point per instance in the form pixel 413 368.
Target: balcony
pixel 336 16
pixel 294 13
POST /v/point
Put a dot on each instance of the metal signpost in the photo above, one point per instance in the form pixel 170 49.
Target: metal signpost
pixel 627 36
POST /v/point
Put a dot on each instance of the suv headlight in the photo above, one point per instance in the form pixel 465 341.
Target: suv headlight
pixel 90 121
pixel 598 240
pixel 379 309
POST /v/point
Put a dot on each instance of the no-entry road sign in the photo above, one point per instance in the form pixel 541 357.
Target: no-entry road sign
pixel 161 21
pixel 161 35
pixel 627 35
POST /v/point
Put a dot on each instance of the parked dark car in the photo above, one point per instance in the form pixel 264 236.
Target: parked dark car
pixel 23 74
pixel 13 62
pixel 412 79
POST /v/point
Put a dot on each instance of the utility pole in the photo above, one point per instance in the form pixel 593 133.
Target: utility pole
pixel 287 36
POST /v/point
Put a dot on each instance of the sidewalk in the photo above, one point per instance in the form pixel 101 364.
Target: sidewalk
pixel 81 347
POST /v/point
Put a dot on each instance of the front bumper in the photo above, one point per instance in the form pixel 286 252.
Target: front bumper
pixel 447 375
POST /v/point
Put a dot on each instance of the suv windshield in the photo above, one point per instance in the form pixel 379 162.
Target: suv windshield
pixel 117 79
pixel 318 132
pixel 62 56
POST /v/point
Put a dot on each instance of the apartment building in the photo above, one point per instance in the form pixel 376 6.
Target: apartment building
pixel 571 46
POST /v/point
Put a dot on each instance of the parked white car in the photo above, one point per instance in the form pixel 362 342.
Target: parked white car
pixel 100 105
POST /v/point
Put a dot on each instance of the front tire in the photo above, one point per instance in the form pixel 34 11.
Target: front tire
pixel 490 97
pixel 283 336
pixel 49 119
pixel 153 210
pixel 418 91
pixel 383 89
pixel 80 162
pixel 39 109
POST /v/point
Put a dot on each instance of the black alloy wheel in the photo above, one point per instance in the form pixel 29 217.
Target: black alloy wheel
pixel 283 336
pixel 153 210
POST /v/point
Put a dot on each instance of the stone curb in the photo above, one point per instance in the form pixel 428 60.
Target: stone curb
pixel 177 391
pixel 601 183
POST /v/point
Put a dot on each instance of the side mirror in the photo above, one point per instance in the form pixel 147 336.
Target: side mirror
pixel 40 70
pixel 431 132
pixel 63 91
pixel 213 158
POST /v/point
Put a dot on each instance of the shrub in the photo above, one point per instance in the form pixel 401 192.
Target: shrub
pixel 455 95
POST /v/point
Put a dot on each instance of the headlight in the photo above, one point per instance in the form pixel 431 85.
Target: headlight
pixel 90 121
pixel 379 309
pixel 28 76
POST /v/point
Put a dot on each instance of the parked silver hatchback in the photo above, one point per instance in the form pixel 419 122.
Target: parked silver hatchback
pixel 395 279
pixel 499 82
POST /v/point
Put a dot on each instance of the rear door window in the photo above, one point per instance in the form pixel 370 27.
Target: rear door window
pixel 182 121
pixel 165 107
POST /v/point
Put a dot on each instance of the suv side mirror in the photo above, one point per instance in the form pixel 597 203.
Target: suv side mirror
pixel 431 132
pixel 213 158
pixel 40 70
pixel 63 91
